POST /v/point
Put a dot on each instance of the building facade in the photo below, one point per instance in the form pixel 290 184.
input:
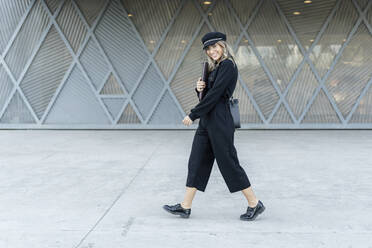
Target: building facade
pixel 134 63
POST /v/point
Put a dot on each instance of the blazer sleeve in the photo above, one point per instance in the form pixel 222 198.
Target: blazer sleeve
pixel 204 92
pixel 225 75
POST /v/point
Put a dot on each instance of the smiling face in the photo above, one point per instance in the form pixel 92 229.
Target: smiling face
pixel 214 51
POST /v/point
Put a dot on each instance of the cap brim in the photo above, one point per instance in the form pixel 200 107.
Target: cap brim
pixel 209 43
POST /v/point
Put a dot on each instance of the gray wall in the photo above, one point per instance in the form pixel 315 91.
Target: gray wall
pixel 134 63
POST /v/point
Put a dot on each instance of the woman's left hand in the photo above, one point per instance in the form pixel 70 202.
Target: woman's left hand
pixel 187 121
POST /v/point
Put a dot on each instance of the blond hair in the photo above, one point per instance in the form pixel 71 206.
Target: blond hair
pixel 228 53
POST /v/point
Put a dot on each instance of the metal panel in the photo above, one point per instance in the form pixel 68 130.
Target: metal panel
pixel 96 67
pixel 120 43
pixel 46 72
pixel 114 105
pixel 10 16
pixel 17 112
pixel 104 64
pixel 77 103
pixel 27 39
pixel 147 91
pixel 166 111
pixel 6 87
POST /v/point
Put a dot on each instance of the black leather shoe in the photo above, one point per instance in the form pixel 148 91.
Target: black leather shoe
pixel 252 213
pixel 178 210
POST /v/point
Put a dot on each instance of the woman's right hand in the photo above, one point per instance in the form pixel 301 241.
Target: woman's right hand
pixel 200 85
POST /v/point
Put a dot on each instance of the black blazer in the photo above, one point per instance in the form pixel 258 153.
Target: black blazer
pixel 222 85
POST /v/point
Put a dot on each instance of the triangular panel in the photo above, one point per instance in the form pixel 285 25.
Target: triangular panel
pixel 39 85
pixel 363 113
pixel 282 116
pixel 148 91
pixel 114 105
pixel 17 111
pixel 321 111
pixel 129 116
pixel 76 103
pixel 90 9
pixel 112 87
pixel 151 18
pixel 166 112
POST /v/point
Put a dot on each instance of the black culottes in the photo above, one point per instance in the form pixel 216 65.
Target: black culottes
pixel 214 139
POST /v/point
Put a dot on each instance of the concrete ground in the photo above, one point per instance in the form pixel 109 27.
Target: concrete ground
pixel 90 189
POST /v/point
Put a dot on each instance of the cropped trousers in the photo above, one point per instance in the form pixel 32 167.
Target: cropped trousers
pixel 214 139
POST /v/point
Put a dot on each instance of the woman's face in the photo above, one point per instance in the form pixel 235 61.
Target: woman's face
pixel 214 51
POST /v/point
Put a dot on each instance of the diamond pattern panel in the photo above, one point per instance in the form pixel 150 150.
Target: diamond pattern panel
pixel 148 91
pixel 151 18
pixel 256 79
pixel 46 72
pixel 121 44
pixel 352 71
pixel 27 39
pixel 301 91
pixel 94 64
pixel 71 25
pixel 275 44
pixel 333 37
pixel 177 38
pixel 10 14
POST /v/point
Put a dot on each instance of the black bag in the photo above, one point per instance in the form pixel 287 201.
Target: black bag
pixel 234 109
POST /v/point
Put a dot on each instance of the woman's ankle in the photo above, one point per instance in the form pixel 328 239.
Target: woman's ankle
pixel 185 206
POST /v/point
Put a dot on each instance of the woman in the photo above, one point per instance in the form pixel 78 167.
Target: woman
pixel 214 137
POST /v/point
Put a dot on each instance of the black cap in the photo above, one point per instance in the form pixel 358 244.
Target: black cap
pixel 211 38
